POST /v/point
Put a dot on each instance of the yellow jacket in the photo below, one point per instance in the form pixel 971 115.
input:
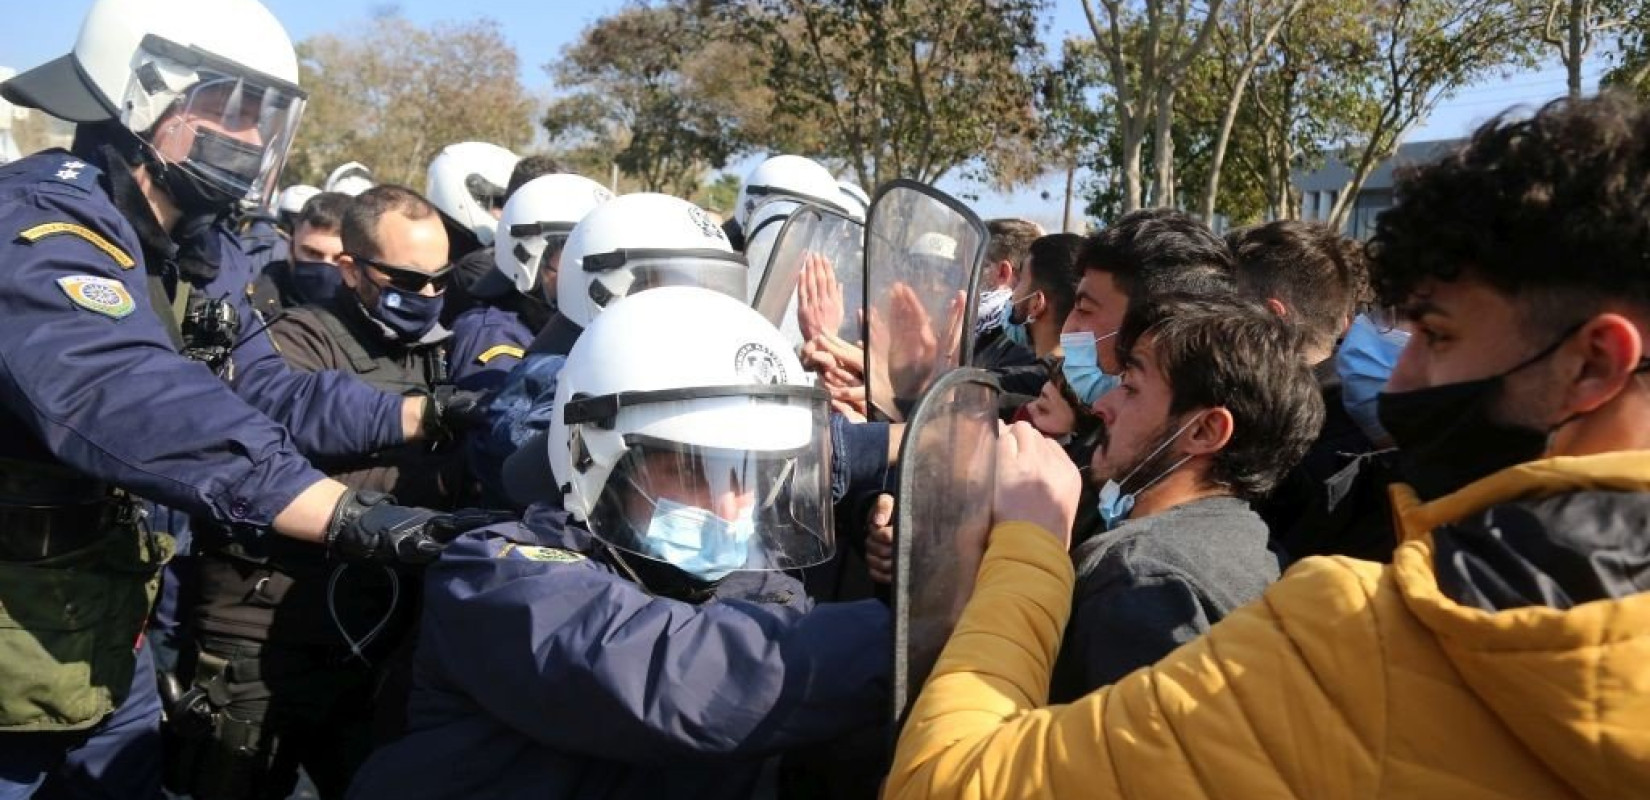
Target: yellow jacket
pixel 1345 680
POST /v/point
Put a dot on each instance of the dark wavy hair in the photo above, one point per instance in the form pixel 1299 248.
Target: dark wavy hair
pixel 1553 211
pixel 1235 354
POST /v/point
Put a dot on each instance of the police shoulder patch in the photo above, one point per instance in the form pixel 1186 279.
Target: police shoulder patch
pixel 83 233
pixel 105 296
pixel 553 555
pixel 501 350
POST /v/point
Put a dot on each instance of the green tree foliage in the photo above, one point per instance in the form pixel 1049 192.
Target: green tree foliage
pixel 904 88
pixel 652 89
pixel 391 94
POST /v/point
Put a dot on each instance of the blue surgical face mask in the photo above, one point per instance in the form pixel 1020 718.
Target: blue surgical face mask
pixel 1017 332
pixel 1365 361
pixel 1114 505
pixel 696 541
pixel 1082 366
pixel 315 282
pixel 409 314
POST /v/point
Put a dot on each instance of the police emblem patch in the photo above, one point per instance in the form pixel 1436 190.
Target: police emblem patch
pixel 757 364
pixel 705 224
pixel 105 296
pixel 551 555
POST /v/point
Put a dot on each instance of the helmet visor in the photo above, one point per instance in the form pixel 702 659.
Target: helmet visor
pixel 710 511
pixel 632 271
pixel 240 123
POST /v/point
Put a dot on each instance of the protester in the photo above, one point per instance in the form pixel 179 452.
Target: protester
pixel 1214 407
pixel 1313 278
pixel 1500 650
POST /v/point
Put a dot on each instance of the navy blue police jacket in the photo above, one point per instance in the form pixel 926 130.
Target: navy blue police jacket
pixel 543 673
pixel 488 342
pixel 90 378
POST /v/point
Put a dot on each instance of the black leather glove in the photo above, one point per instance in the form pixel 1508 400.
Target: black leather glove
pixel 452 410
pixel 368 526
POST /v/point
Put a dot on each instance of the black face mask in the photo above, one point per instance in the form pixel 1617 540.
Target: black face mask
pixel 1447 435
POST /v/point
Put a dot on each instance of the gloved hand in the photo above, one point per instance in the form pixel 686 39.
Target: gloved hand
pixel 368 526
pixel 452 410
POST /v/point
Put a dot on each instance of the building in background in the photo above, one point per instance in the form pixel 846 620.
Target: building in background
pixel 1320 188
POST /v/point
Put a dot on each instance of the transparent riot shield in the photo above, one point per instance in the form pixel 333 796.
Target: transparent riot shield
pixel 819 239
pixel 923 250
pixel 948 467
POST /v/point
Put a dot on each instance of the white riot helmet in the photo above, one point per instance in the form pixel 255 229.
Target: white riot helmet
pixel 686 432
pixel 467 181
pixel 643 241
pixel 227 66
pixel 352 179
pixel 855 200
pixel 290 203
pixel 784 178
pixel 537 220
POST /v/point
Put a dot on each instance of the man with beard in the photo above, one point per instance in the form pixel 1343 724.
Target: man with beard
pixel 1215 404
pixel 1501 653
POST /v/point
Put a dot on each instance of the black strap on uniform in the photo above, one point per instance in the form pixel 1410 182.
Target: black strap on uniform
pixel 360 361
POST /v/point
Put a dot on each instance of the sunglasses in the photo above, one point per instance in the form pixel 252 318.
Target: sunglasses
pixel 407 279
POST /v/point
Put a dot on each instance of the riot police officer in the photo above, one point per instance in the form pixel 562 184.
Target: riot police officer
pixel 185 109
pixel 647 642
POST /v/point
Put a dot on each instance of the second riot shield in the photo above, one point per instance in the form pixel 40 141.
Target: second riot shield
pixel 923 250
pixel 822 245
pixel 947 473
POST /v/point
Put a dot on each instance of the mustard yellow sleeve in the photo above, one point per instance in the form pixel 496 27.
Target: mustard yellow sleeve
pixel 1283 698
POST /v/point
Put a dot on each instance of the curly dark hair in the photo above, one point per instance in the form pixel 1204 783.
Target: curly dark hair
pixel 1226 352
pixel 1553 210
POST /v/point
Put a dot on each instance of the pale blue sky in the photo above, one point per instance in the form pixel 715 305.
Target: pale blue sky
pixel 38 31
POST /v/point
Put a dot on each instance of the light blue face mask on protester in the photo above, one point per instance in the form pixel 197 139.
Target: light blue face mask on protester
pixel 696 541
pixel 1365 361
pixel 1114 505
pixel 1082 366
pixel 1017 332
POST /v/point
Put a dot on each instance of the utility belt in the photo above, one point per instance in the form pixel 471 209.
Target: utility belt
pixel 76 586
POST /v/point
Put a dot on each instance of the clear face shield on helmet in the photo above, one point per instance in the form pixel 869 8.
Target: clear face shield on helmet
pixel 238 124
pixel 763 502
pixel 622 273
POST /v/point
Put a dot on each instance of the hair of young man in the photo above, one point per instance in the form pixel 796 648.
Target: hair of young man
pixel 1234 354
pixel 1315 272
pixel 1010 240
pixel 1052 265
pixel 360 226
pixel 324 212
pixel 530 167
pixel 1552 211
pixel 1160 251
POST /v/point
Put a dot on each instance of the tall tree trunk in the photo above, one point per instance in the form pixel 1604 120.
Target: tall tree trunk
pixel 1071 182
pixel 1580 11
pixel 1234 104
pixel 1163 150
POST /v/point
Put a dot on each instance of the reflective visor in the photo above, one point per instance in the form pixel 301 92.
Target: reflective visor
pixel 633 271
pixel 715 510
pixel 242 122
